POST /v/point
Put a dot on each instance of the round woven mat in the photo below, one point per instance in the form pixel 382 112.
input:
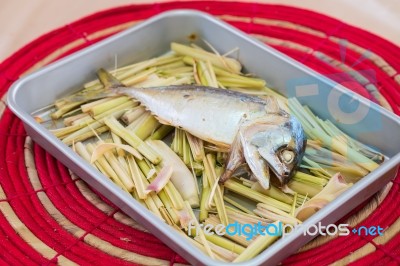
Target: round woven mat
pixel 50 216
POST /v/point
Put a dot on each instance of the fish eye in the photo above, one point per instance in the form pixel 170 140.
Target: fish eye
pixel 287 156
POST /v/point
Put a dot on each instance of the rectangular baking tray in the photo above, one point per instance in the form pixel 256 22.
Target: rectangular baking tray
pixel 152 38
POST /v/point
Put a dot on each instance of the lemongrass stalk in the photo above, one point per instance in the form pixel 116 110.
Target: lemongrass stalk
pixel 241 83
pixel 140 186
pixel 257 246
pixel 83 129
pixel 176 72
pixel 108 170
pixel 147 127
pixel 129 116
pixel 196 147
pixel 225 243
pixel 60 102
pixel 203 74
pixel 140 77
pixel 87 106
pixel 237 205
pixel 205 193
pixel 105 106
pixel 87 135
pixel 223 253
pixel 303 188
pixel 294 204
pixel 116 139
pixel 65 108
pixel 306 178
pixel 68 121
pixel 172 66
pixel 132 139
pixel 120 110
pixel 73 112
pixel 217 196
pixel 188 208
pixel 239 239
pixel 186 153
pixel 161 132
pixel 273 192
pixel 120 171
pixel 83 120
pixel 275 214
pixel 226 63
pixel 254 195
pixel 135 123
pixel 151 205
pixel 199 245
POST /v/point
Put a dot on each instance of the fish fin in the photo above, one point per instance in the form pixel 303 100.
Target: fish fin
pixel 108 80
pixel 253 158
pixel 235 158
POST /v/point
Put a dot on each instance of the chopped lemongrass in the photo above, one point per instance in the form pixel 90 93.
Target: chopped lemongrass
pixel 255 196
pixel 216 193
pixel 226 63
pixel 257 246
pixel 132 139
pixel 105 147
pixel 129 116
pixel 273 192
pixel 161 132
pixel 237 205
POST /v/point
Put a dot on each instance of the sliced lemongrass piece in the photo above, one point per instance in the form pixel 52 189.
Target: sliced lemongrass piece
pixel 225 254
pixel 239 239
pixel 161 132
pixel 121 109
pixel 275 214
pixel 306 178
pixel 87 135
pixel 257 246
pixel 161 179
pixel 108 170
pixel 65 108
pixel 188 208
pixel 304 188
pixel 255 196
pixel 225 243
pixel 147 127
pixel 132 139
pixel 196 146
pixel 129 116
pixel 105 147
pixel 140 77
pixel 69 120
pixel 237 205
pixel 135 123
pixel 107 105
pixel 229 64
pixel 205 194
pixel 216 193
pixel 119 170
pixel 273 192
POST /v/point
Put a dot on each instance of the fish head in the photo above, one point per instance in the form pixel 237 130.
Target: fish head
pixel 281 145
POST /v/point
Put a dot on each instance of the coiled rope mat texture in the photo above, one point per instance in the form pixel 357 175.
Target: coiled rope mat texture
pixel 50 216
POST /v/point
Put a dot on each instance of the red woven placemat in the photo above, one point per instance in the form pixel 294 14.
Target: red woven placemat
pixel 49 216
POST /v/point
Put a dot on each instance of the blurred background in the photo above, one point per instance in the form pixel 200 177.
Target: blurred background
pixel 21 21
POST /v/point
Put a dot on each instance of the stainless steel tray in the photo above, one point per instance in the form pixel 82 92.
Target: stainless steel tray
pixel 375 126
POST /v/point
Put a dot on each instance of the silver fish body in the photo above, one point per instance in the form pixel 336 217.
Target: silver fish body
pixel 255 129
